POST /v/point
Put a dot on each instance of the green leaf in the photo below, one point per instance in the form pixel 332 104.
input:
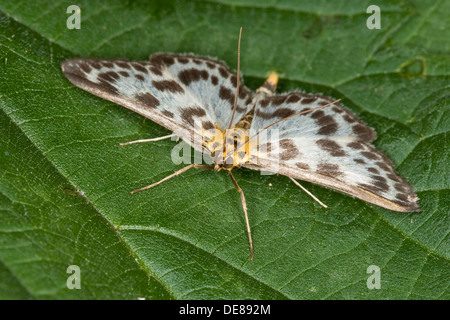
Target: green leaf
pixel 65 181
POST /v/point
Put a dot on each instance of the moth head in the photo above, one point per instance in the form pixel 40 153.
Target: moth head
pixel 231 153
pixel 223 161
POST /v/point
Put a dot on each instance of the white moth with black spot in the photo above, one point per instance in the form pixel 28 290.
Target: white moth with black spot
pixel 317 140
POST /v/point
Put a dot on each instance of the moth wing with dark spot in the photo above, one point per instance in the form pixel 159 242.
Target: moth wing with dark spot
pixel 211 81
pixel 328 146
pixel 174 91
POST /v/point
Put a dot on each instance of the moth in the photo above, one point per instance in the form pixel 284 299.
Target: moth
pixel 302 136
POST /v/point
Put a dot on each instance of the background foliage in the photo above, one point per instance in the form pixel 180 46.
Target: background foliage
pixel 65 182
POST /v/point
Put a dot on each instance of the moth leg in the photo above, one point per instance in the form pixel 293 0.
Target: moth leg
pixel 309 193
pixel 244 206
pixel 176 173
pixel 270 85
pixel 148 140
pixel 203 166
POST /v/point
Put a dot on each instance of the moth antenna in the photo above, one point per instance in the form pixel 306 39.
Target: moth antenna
pixel 237 81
